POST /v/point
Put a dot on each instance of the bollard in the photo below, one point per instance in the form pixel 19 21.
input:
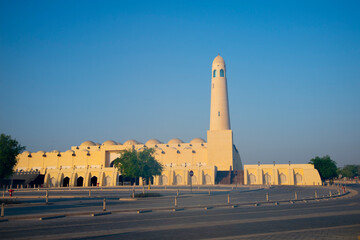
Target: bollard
pixel 316 196
pixel 267 196
pixel 296 196
pixel 177 193
pixel 175 201
pixel 17 187
pixel 104 204
pixel 228 198
pixel 47 197
pixel 89 192
pixel 133 193
pixel 330 193
pixel 2 209
pixel 34 186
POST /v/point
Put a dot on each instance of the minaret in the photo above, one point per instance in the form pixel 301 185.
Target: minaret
pixel 219 110
pixel 222 154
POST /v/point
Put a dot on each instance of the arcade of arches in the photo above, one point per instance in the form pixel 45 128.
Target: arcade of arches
pixel 281 174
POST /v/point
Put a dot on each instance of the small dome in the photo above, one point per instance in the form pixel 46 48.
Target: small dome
pixel 175 141
pixel 218 60
pixel 109 142
pixel 55 151
pixel 131 142
pixel 197 140
pixel 26 152
pixel 152 142
pixel 40 152
pixel 88 144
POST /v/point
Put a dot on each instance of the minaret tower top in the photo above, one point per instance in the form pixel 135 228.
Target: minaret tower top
pixel 219 110
pixel 218 61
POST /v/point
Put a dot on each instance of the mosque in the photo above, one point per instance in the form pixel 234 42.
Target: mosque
pixel 214 161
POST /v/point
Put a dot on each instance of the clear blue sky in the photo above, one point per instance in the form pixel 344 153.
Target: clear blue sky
pixel 72 71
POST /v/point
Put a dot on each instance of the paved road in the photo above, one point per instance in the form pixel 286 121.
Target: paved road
pixel 326 219
pixel 76 200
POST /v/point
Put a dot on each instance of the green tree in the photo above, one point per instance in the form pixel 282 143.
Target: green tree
pixel 136 164
pixel 9 149
pixel 326 167
pixel 350 171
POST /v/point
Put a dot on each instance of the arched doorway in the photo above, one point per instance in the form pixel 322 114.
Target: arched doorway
pixel 193 180
pixel 251 179
pixel 66 182
pixel 52 182
pixel 108 180
pixel 93 181
pixel 282 178
pixel 178 180
pixel 163 180
pixel 80 182
pixel 267 179
pixel 298 179
pixel 208 179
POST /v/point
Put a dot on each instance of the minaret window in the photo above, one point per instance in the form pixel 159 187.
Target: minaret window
pixel 222 73
pixel 214 75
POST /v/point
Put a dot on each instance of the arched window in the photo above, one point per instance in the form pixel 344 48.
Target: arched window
pixel 222 73
pixel 214 75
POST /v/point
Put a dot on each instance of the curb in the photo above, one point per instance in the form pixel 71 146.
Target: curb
pixel 51 217
pixel 100 214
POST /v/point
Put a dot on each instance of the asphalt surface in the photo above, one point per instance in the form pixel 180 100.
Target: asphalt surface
pixel 324 219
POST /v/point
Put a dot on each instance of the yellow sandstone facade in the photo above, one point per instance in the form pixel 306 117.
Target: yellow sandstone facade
pixel 281 174
pixel 91 164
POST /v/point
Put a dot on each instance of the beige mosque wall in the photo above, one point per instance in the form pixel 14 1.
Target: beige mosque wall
pixel 91 160
pixel 281 174
pixel 221 149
